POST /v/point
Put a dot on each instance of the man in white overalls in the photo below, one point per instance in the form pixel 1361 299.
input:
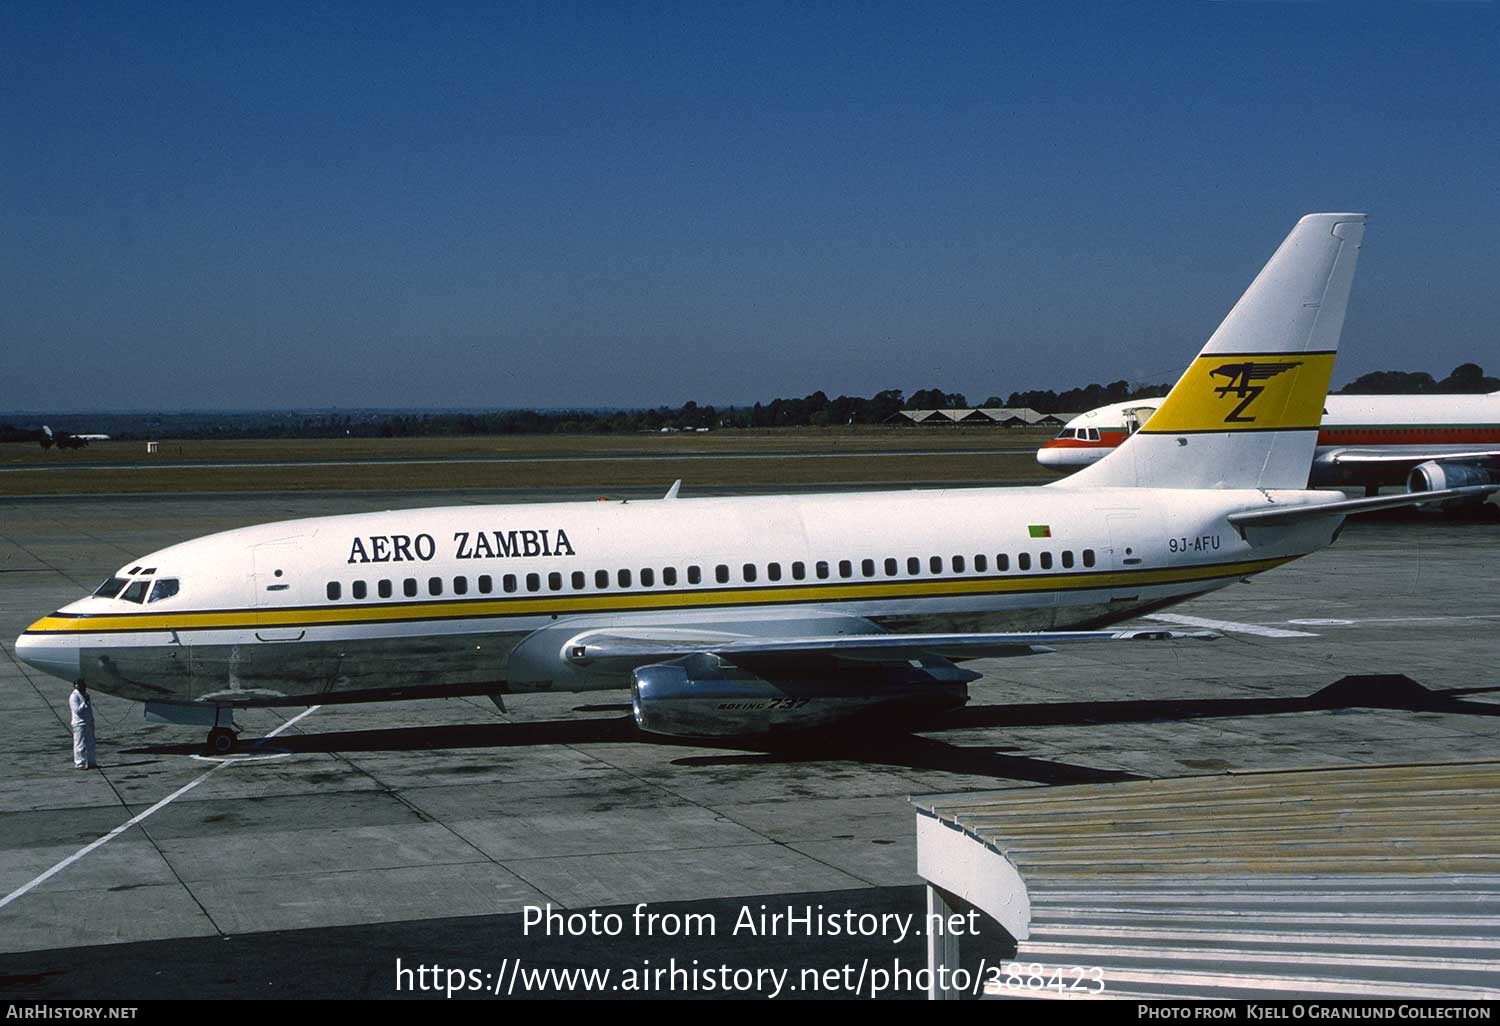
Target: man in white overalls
pixel 83 727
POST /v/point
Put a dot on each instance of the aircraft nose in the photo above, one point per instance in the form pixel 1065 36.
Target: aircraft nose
pixel 1048 456
pixel 51 655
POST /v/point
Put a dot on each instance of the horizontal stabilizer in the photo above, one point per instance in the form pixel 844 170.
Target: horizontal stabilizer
pixel 1341 457
pixel 1274 516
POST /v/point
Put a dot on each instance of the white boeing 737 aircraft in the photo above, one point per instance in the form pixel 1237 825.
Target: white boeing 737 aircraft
pixel 742 616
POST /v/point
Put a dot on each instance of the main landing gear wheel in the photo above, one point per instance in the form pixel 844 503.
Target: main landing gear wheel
pixel 221 741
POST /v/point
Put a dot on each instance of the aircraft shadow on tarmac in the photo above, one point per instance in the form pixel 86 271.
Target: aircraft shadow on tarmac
pixel 890 744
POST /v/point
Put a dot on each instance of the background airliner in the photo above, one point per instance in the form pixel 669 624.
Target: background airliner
pixel 742 616
pixel 1426 442
pixel 47 438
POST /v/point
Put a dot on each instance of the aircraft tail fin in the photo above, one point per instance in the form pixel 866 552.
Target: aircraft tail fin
pixel 1246 413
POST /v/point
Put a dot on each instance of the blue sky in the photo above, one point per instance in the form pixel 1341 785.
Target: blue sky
pixel 613 205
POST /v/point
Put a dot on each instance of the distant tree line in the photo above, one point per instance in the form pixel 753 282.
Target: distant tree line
pixel 814 410
pixel 1466 379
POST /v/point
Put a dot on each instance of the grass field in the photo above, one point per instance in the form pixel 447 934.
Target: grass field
pixel 720 458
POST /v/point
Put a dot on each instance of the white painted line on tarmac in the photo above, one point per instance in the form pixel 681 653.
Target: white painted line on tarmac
pixel 1229 625
pixel 1398 619
pixel 305 712
pixel 117 831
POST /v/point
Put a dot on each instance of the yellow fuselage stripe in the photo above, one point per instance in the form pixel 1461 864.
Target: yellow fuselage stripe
pixel 624 601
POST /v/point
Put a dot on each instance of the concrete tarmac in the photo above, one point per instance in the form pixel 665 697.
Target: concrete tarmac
pixel 423 830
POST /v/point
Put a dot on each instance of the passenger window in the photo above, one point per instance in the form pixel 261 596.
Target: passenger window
pixel 669 576
pixel 936 563
pixel 721 573
pixel 891 567
pixel 163 589
pixel 533 582
pixel 799 571
pixel 648 577
pixel 624 578
pixel 867 567
pixel 508 582
pixel 409 587
pixel 981 564
pixel 1002 562
pixel 601 579
pixel 958 564
pixel 358 589
pixel 1067 559
pixel 383 588
pixel 486 584
pixel 846 568
pixel 1023 561
pixel 695 575
pixel 579 580
pixel 554 581
pixel 913 565
pixel 334 591
pixel 821 569
pixel 1046 561
pixel 460 586
pixel 773 571
pixel 1088 557
pixel 434 585
pixel 749 571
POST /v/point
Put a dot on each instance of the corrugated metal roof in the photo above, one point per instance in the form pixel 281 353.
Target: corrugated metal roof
pixel 998 415
pixel 1350 882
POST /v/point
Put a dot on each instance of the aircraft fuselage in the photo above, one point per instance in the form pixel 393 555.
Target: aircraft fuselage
pixel 484 598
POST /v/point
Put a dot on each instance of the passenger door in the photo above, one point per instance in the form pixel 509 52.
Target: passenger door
pixel 1123 554
pixel 277 588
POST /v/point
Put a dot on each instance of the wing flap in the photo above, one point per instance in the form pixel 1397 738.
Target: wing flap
pixel 593 649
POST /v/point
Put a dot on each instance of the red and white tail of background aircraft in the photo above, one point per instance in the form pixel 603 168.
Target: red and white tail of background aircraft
pixel 1426 442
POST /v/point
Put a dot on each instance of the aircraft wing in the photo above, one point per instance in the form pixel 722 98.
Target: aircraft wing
pixel 1272 515
pixel 1385 456
pixel 607 650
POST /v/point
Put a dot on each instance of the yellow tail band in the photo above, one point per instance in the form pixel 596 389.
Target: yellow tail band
pixel 1225 392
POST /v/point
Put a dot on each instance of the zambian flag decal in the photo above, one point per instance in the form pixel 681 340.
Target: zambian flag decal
pixel 1039 531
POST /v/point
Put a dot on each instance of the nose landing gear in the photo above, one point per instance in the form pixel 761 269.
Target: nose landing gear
pixel 221 740
pixel 223 735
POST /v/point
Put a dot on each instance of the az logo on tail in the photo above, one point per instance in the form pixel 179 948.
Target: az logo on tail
pixel 1240 376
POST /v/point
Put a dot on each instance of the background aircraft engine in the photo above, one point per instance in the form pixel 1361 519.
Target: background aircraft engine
pixel 1437 474
pixel 699 696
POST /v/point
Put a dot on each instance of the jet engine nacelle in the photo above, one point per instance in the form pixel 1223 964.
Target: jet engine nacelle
pixel 1435 475
pixel 700 696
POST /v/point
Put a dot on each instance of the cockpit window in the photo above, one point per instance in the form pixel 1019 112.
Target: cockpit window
pixel 136 592
pixel 110 588
pixel 164 588
pixel 1065 433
